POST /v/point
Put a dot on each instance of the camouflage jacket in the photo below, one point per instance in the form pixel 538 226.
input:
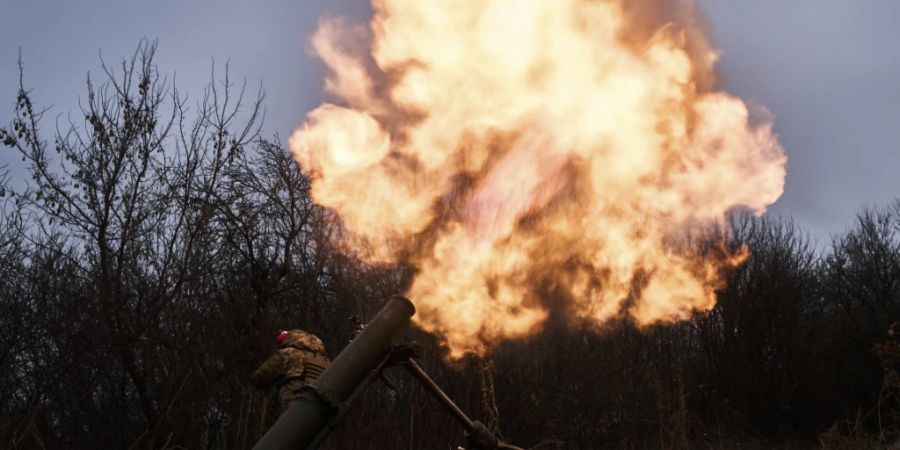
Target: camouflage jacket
pixel 300 358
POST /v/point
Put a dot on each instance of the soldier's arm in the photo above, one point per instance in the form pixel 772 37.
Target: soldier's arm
pixel 269 372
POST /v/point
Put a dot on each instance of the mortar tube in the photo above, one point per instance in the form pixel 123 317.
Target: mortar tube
pixel 323 398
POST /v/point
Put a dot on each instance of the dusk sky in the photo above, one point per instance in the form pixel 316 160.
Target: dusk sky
pixel 829 70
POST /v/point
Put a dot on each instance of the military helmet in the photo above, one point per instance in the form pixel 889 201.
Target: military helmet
pixel 301 339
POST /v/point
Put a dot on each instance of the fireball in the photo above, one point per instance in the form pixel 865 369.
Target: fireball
pixel 515 150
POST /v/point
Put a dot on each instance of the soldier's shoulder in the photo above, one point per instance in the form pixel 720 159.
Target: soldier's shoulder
pixel 293 352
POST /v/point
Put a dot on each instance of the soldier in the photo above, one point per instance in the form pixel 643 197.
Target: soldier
pixel 299 361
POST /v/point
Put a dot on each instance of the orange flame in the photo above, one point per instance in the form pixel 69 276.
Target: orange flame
pixel 513 148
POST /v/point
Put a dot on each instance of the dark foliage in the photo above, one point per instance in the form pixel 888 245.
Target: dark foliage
pixel 160 245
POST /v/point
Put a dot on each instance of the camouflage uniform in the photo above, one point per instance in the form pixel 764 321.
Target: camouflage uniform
pixel 299 361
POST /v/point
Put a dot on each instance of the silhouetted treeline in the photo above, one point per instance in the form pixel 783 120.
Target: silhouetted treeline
pixel 163 241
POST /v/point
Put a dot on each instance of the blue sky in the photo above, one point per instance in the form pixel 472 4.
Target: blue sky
pixel 829 70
